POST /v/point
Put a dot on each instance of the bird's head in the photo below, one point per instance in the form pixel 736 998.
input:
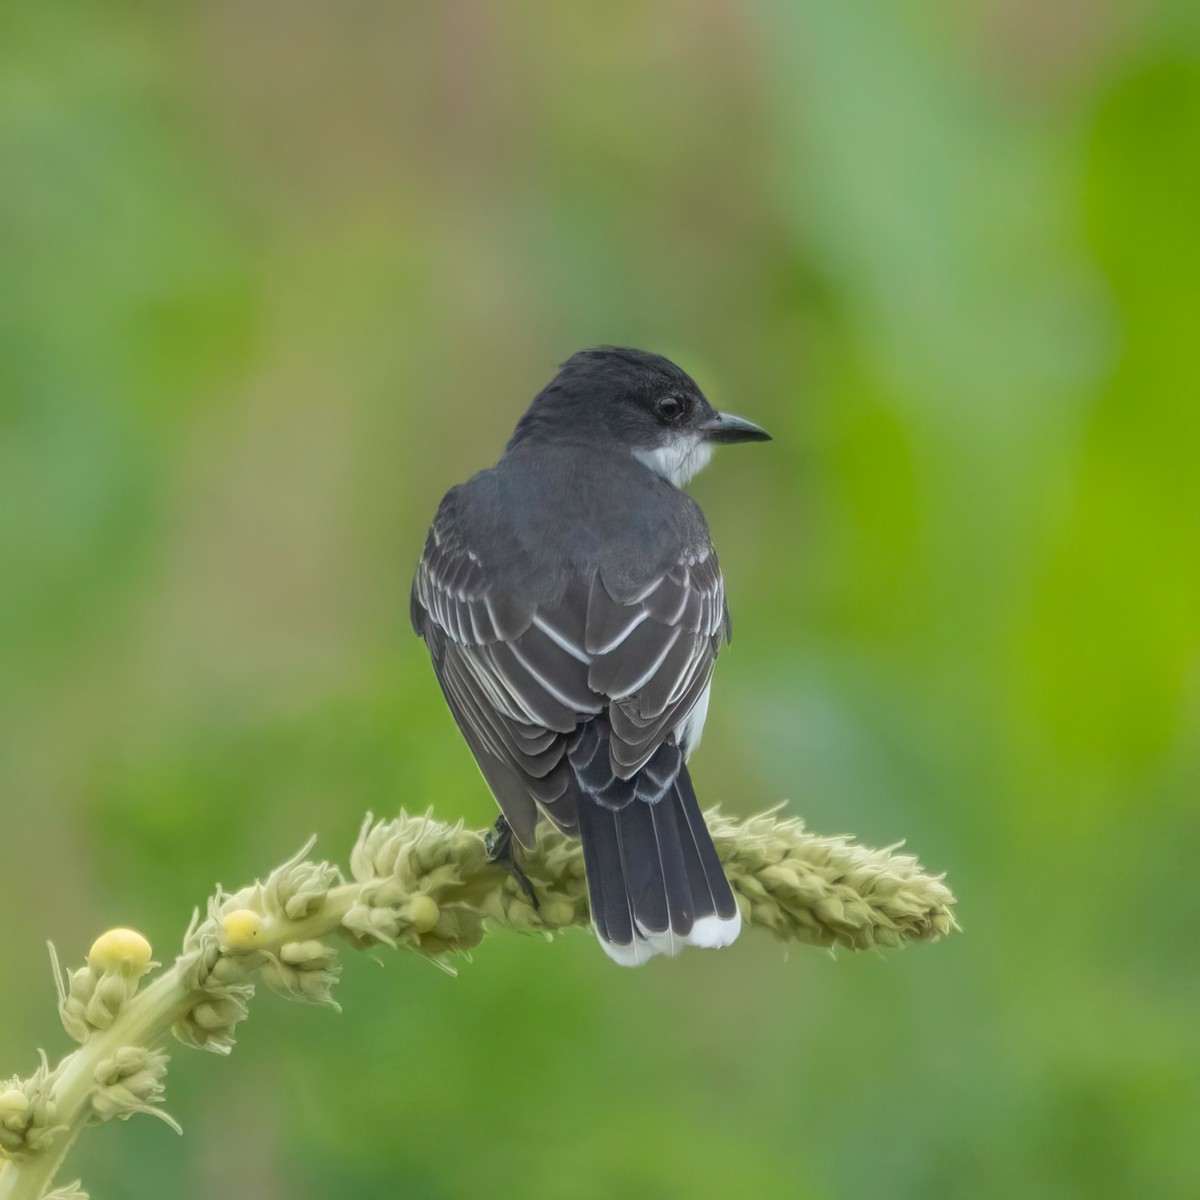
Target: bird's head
pixel 611 397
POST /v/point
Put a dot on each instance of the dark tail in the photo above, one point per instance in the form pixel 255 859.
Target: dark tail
pixel 654 879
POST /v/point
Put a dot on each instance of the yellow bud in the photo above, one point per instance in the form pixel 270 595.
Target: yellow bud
pixel 121 950
pixel 241 929
pixel 423 913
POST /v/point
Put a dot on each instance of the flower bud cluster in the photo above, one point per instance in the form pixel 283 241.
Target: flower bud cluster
pixel 90 997
pixel 28 1114
pixel 297 889
pixel 224 951
pixel 130 1081
pixel 829 891
pixel 303 971
pixel 218 980
pixel 423 885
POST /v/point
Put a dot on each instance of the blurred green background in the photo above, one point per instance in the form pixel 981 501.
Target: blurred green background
pixel 275 275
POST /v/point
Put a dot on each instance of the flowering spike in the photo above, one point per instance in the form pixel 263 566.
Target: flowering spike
pixel 415 882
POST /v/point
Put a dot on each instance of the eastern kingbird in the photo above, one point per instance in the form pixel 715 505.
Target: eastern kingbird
pixel 573 608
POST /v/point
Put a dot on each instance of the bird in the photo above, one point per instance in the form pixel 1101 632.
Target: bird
pixel 573 608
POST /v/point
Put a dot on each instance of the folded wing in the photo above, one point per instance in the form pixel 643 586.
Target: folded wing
pixel 523 669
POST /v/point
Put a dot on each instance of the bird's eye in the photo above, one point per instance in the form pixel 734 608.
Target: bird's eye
pixel 670 408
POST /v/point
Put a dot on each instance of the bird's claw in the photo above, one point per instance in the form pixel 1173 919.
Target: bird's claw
pixel 498 842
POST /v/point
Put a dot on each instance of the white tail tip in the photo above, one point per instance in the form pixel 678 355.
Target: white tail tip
pixel 709 933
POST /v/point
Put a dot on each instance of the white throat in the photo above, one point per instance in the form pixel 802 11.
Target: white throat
pixel 686 455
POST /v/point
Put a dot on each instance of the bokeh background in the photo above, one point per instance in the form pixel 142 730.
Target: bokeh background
pixel 275 275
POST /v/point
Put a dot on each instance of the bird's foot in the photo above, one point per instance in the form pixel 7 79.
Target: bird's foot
pixel 500 849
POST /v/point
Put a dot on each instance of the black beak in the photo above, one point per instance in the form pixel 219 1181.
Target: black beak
pixel 725 427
